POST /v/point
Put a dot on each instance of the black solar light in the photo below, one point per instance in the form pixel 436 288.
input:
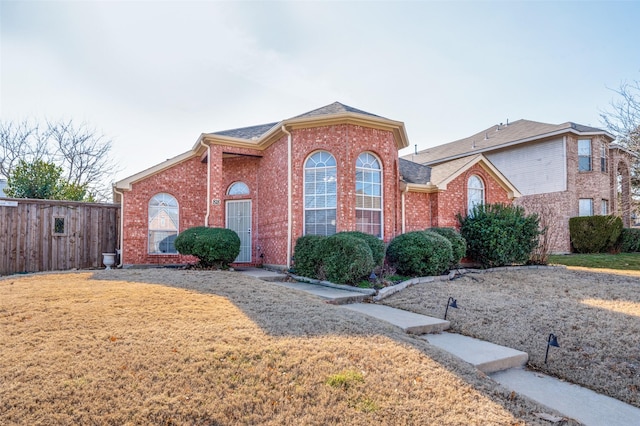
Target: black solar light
pixel 552 340
pixel 450 302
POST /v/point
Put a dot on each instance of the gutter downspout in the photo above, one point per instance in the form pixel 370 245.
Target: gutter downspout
pixel 404 191
pixel 206 216
pixel 289 201
pixel 121 194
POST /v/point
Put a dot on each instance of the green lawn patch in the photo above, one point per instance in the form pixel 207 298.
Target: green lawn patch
pixel 622 261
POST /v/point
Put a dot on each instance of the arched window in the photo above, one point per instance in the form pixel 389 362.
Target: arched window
pixel 475 193
pixel 320 194
pixel 163 224
pixel 238 188
pixel 369 195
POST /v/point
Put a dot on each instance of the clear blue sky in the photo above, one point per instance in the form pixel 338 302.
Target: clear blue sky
pixel 153 75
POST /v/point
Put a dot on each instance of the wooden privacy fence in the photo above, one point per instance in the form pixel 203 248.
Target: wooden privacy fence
pixel 48 235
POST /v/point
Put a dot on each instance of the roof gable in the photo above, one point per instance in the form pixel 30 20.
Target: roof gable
pixel 444 173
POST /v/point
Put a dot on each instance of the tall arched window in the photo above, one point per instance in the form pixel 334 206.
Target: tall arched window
pixel 320 194
pixel 475 192
pixel 163 224
pixel 369 195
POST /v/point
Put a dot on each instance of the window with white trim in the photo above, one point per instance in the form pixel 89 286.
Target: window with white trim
pixel 585 207
pixel 369 194
pixel 603 157
pixel 163 224
pixel 475 193
pixel 320 194
pixel 584 155
pixel 238 188
pixel 604 207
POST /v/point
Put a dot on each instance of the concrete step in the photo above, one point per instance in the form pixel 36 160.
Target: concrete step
pixel 408 321
pixel 262 274
pixel 332 295
pixel 581 404
pixel 485 356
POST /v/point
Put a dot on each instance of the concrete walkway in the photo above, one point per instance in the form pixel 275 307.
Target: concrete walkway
pixel 334 296
pixel 504 365
pixel 408 321
pixel 584 405
pixel 485 356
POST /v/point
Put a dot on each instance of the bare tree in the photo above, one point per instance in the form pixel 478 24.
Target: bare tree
pixel 20 141
pixel 81 152
pixel 622 119
pixel 623 116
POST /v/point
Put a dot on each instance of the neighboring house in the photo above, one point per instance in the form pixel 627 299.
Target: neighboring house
pixel 562 170
pixel 329 170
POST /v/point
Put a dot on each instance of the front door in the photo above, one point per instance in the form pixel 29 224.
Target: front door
pixel 239 220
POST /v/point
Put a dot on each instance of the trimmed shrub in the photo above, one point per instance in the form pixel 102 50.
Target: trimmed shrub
pixel 594 234
pixel 306 256
pixel 214 247
pixel 420 253
pixel 458 244
pixel 629 240
pixel 344 259
pixel 375 244
pixel 499 234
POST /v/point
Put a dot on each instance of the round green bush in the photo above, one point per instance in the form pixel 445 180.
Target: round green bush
pixel 420 253
pixel 305 254
pixel 499 234
pixel 458 243
pixel 344 259
pixel 214 247
pixel 375 244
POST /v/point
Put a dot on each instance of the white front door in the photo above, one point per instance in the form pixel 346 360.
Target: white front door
pixel 239 220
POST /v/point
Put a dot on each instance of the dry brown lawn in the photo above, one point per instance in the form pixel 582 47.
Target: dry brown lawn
pixel 596 316
pixel 217 348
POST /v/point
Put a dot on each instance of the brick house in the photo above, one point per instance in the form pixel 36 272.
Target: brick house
pixel 562 170
pixel 332 169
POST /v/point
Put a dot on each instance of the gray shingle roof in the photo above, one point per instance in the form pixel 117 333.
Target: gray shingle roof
pixel 247 132
pixel 495 137
pixel 334 108
pixel 414 173
pixel 255 132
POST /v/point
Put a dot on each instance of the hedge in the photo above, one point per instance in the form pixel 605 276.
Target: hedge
pixel 594 234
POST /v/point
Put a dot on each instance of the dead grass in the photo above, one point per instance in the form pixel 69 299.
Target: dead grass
pixel 194 347
pixel 595 315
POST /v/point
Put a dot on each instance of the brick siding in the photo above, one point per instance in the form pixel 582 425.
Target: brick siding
pixel 265 173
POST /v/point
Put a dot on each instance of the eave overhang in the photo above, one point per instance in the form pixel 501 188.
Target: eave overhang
pixel 535 138
pixel 276 132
